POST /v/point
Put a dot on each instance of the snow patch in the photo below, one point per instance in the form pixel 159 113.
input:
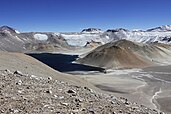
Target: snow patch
pixel 40 36
pixel 17 32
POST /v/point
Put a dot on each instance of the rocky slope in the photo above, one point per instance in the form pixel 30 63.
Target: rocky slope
pixel 21 93
pixel 127 54
pixel 28 65
pixel 13 41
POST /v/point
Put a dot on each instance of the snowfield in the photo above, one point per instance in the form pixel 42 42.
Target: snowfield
pixel 143 37
pixel 40 36
pixel 82 39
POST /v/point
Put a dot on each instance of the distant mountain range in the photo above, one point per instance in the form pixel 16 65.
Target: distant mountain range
pixel 164 28
pixel 12 40
pixel 155 35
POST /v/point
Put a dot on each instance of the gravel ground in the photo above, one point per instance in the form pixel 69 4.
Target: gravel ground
pixel 30 94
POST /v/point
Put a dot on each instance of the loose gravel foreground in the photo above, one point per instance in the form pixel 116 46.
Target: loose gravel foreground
pixel 30 94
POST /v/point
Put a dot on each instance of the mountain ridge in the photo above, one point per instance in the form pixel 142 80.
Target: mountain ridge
pixel 11 40
pixel 163 28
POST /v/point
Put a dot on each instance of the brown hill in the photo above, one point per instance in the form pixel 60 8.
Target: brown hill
pixel 127 54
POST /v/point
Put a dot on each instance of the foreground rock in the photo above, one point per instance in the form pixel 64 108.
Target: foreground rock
pixel 21 94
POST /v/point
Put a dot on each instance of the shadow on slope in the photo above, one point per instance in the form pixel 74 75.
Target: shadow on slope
pixel 63 63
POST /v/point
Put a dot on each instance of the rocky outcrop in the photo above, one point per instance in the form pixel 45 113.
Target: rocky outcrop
pixel 117 30
pixel 91 30
pixel 93 44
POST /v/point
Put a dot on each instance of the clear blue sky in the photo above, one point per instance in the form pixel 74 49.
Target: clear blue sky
pixel 74 15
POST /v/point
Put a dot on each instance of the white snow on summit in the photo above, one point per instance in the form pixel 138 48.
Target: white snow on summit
pixel 164 28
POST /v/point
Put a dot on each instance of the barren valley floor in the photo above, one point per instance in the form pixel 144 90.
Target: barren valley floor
pixel 149 86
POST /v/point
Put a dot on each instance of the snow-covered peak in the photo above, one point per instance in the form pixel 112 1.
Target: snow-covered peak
pixel 8 29
pixel 164 28
pixel 92 30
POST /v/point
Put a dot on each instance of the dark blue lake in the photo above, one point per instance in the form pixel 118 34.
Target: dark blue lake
pixel 63 62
